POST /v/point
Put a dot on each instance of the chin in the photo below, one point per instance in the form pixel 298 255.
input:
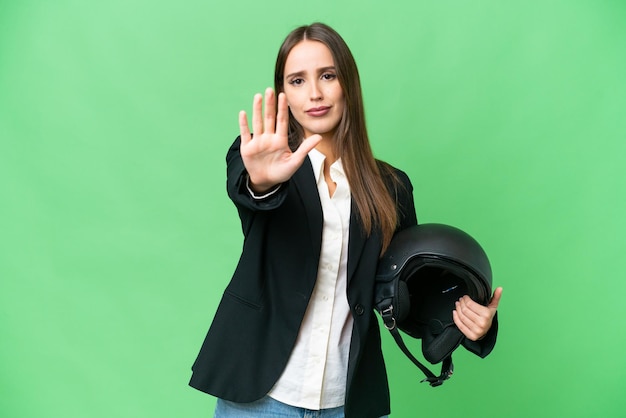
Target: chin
pixel 320 130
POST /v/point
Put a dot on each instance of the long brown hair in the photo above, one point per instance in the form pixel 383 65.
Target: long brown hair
pixel 373 200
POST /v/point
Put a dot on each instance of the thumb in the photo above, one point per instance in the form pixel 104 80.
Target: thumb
pixel 307 145
pixel 495 300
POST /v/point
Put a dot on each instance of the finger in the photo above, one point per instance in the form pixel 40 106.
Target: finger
pixel 476 316
pixel 470 306
pixel 472 326
pixel 460 324
pixel 270 111
pixel 495 300
pixel 257 118
pixel 282 118
pixel 307 145
pixel 244 129
pixel 469 309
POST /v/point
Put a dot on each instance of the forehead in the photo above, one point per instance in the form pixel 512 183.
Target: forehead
pixel 308 55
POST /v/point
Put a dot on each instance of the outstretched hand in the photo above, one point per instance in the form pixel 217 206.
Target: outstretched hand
pixel 473 319
pixel 266 155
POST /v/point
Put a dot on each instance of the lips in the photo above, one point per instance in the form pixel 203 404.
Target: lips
pixel 318 111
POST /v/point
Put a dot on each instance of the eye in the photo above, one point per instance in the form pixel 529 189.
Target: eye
pixel 329 76
pixel 296 81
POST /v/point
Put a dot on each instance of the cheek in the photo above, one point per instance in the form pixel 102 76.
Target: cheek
pixel 293 98
pixel 341 105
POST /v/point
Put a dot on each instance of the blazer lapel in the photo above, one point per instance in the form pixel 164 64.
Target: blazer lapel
pixel 304 182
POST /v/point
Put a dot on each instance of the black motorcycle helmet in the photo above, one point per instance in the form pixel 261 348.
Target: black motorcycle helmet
pixel 424 271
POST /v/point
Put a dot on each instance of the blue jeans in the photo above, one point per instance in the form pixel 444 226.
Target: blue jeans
pixel 267 407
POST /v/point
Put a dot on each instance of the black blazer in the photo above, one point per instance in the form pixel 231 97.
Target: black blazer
pixel 255 328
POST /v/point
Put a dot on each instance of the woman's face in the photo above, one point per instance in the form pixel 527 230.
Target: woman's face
pixel 312 89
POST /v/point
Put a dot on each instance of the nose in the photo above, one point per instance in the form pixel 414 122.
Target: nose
pixel 315 92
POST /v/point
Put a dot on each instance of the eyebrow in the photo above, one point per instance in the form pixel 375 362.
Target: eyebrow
pixel 319 70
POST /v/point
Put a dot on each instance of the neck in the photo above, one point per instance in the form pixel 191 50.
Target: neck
pixel 326 147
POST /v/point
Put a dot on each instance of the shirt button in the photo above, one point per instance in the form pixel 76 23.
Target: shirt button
pixel 358 309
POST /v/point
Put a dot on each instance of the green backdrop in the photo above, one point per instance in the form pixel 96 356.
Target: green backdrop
pixel 117 237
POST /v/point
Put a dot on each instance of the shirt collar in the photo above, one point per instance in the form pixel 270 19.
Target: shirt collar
pixel 317 161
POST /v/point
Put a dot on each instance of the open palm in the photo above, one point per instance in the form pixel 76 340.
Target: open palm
pixel 266 153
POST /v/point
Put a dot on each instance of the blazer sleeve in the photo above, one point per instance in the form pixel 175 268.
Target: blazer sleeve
pixel 483 347
pixel 405 203
pixel 401 190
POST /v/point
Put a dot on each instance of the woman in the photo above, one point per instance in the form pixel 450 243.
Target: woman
pixel 295 329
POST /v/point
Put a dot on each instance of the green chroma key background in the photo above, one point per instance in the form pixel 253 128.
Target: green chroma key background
pixel 117 237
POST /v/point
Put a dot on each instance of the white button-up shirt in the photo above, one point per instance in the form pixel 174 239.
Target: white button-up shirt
pixel 315 376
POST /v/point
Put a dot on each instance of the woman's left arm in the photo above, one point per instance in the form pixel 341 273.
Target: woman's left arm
pixel 406 205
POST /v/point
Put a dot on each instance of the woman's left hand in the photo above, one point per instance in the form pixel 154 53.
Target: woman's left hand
pixel 473 319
